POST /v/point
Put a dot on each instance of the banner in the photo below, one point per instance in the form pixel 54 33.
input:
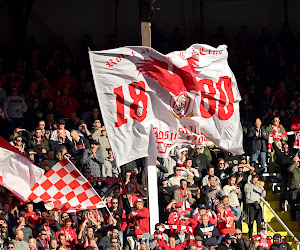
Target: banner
pixel 279 135
pixel 152 102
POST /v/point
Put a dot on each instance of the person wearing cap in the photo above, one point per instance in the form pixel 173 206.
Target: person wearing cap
pixel 208 232
pixel 81 127
pixel 228 243
pixel 183 195
pixel 174 217
pixel 262 237
pixel 278 244
pixel 193 188
pixel 253 191
pixel 60 131
pixel 198 244
pixel 183 155
pixel 234 193
pixel 259 139
pixel 200 211
pixel 14 107
pixel 141 215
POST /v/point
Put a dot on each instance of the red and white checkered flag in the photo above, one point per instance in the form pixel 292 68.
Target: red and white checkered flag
pixel 64 188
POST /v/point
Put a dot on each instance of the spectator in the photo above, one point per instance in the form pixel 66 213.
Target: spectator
pixel 77 146
pixel 70 234
pixel 23 226
pixel 253 191
pixel 225 222
pixel 93 159
pixel 38 139
pixel 278 244
pixel 174 181
pixel 14 108
pixel 66 103
pixel 49 224
pixel 200 161
pixel 234 194
pixel 208 232
pixel 19 243
pixel 53 244
pixel 210 172
pixel 198 244
pixel 4 236
pixel 228 242
pixel 262 237
pixel 114 244
pixel 67 81
pixel 41 241
pixel 242 241
pixel 222 171
pixel 259 139
pixel 285 160
pixel 32 244
pixel 141 215
pixel 60 131
pixel 168 163
pixel 184 196
pixel 294 186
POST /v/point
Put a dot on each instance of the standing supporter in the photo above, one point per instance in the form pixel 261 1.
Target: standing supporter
pixel 234 194
pixel 222 171
pixel 62 242
pixel 183 156
pixel 39 139
pixel 174 217
pixel 85 234
pixel 88 99
pixel 253 191
pixel 42 241
pixel 49 224
pixel 53 244
pixel 110 163
pixel 77 145
pixel 141 215
pixel 172 244
pixel 32 244
pixel 47 87
pixel 120 217
pixel 295 123
pixel 208 232
pixel 193 188
pixel 294 186
pixel 225 222
pixel 93 159
pixel 259 139
pixel 200 211
pixel 92 244
pixel 19 144
pixel 134 190
pixel 285 160
pixel 114 244
pixel 174 181
pixel 228 243
pixel 180 236
pixel 276 129
pixel 210 172
pixel 198 244
pixel 105 242
pixel 69 233
pixel 212 191
pixel 157 236
pixel 187 170
pixel 100 136
pixel 14 108
pixel 165 195
pixel 60 131
pixel 184 196
pixel 262 237
pixel 32 218
pixel 200 161
pixel 19 243
pixel 4 235
pixel 67 81
pixel 51 158
pixel 66 103
pixel 96 115
pixel 168 163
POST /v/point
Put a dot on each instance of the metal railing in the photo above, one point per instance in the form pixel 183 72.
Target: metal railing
pixel 279 220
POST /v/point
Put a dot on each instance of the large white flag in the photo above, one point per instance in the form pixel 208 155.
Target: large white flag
pixel 152 102
pixel 17 173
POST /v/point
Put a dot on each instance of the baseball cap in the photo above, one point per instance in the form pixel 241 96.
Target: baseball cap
pixel 228 236
pixel 276 236
pixel 202 206
pixel 198 238
pixel 178 204
pixel 165 179
pixel 138 200
pixel 190 179
pixel 61 121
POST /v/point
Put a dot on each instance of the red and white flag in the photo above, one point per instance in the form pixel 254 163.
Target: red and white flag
pixel 63 188
pixel 152 102
pixel 17 173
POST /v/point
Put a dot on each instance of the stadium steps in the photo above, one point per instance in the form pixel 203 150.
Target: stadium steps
pixel 273 200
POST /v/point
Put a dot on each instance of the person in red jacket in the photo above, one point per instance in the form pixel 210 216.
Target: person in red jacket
pixel 67 81
pixel 172 244
pixel 225 221
pixel 295 123
pixel 141 215
pixel 262 237
pixel 69 232
pixel 66 103
pixel 174 216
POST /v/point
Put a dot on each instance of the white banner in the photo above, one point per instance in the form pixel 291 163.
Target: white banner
pixel 152 102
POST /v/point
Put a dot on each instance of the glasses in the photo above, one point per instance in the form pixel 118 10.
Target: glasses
pixel 222 163
pixel 114 242
pixel 238 234
pixel 96 122
pixel 44 234
pixel 19 140
pixel 10 247
pixel 64 217
pixel 115 202
pixel 177 207
pixel 3 227
pixel 276 120
pixel 177 169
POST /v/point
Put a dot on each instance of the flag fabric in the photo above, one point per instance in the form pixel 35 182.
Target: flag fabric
pixel 63 188
pixel 296 142
pixel 152 102
pixel 17 173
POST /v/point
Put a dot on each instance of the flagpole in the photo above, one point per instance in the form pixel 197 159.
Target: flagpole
pixel 91 186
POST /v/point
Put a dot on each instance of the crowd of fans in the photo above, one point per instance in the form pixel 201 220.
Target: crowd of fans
pixel 50 111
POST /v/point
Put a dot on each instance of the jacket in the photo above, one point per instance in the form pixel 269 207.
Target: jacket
pixel 285 160
pixel 294 179
pixel 177 196
pixel 209 228
pixel 94 164
pixel 253 193
pixel 20 245
pixel 201 162
pixel 258 142
pixel 281 246
pixel 142 220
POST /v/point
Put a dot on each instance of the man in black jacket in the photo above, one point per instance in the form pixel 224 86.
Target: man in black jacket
pixel 278 244
pixel 208 232
pixel 285 159
pixel 200 161
pixel 259 138
pixel 230 242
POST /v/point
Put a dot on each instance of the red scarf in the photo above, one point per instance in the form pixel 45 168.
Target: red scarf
pixel 186 204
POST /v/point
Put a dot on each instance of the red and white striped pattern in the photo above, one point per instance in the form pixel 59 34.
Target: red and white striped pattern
pixel 178 227
pixel 297 137
pixel 64 188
